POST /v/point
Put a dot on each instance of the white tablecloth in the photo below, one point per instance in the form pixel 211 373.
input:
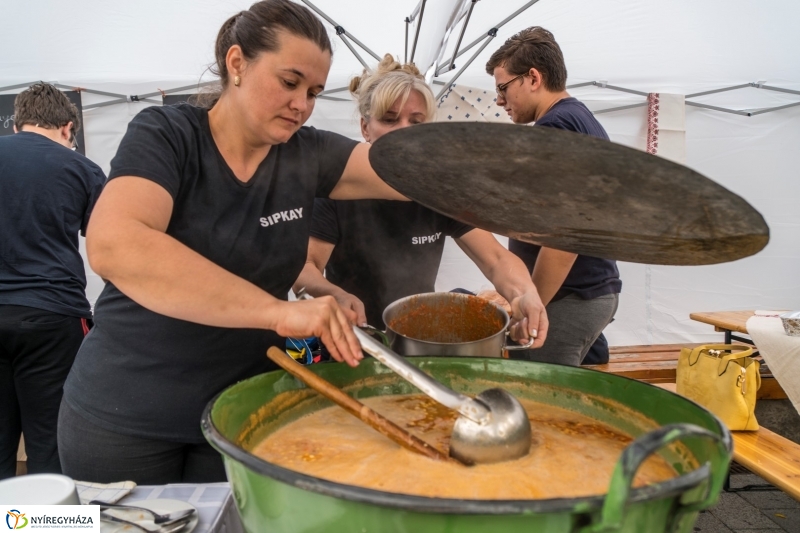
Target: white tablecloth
pixel 780 351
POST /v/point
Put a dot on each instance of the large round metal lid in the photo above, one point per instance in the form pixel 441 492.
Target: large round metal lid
pixel 569 191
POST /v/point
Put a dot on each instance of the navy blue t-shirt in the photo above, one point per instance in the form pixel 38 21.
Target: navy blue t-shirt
pixel 148 375
pixel 589 277
pixel 385 249
pixel 47 193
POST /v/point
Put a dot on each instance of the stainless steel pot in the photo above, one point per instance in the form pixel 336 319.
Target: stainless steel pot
pixel 447 323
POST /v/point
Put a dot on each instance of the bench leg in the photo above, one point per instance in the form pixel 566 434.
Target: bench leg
pixel 747 488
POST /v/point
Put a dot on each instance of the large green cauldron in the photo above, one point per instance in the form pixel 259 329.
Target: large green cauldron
pixel 272 499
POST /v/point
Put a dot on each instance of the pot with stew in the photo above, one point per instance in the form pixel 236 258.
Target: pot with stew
pixel 608 454
pixel 447 323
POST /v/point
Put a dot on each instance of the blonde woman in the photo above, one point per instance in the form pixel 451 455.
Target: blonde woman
pixel 377 251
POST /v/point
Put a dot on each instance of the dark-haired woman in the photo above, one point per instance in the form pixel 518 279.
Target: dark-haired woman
pixel 200 232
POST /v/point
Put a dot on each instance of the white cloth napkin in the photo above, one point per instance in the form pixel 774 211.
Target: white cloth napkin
pixel 469 104
pixel 107 492
pixel 780 351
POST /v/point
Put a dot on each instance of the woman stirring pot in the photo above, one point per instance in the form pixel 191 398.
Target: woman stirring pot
pixel 200 232
pixel 377 251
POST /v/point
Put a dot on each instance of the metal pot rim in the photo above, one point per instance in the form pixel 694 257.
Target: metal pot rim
pixel 506 319
pixel 666 489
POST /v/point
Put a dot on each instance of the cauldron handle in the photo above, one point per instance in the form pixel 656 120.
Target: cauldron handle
pixel 619 489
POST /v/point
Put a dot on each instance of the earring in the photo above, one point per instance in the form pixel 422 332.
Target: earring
pixel 237 80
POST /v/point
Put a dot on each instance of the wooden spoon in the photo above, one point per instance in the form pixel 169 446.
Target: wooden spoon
pixel 354 407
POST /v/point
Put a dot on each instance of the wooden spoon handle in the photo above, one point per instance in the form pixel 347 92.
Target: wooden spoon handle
pixel 354 407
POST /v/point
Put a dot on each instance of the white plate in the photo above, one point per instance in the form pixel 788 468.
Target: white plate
pixel 145 518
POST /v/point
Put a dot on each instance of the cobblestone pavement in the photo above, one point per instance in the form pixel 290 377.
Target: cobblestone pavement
pixel 751 511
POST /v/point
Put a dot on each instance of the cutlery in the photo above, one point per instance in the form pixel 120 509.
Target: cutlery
pixel 157 518
pixel 168 527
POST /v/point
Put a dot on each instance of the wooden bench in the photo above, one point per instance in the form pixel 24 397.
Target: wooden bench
pixel 774 458
pixel 771 456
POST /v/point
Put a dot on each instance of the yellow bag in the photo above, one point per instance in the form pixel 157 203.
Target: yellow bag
pixel 723 379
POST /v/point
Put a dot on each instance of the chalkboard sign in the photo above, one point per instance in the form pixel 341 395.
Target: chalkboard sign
pixel 7 115
pixel 172 99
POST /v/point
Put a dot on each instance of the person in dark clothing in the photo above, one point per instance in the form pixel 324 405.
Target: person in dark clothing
pixel 581 292
pixel 200 233
pixel 47 192
pixel 374 252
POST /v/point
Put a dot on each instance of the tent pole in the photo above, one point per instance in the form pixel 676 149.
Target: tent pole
pixel 620 89
pixel 584 84
pixel 489 37
pixel 715 108
pixel 337 26
pixel 405 53
pixel 104 104
pixel 91 91
pixel 461 36
pixel 770 109
pixel 350 46
pixel 419 27
pixel 620 108
pixel 17 86
pixel 715 91
pixel 769 88
pixel 178 89
pixel 498 26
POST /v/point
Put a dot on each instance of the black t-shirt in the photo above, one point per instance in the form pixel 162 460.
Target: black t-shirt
pixel 47 193
pixel 144 374
pixel 589 277
pixel 385 250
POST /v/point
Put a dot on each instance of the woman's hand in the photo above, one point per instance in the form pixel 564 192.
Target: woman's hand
pixel 321 317
pixel 352 307
pixel 529 319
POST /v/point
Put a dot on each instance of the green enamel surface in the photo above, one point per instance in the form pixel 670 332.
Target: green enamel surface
pixel 249 410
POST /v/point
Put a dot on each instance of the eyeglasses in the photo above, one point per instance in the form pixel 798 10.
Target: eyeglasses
pixel 501 89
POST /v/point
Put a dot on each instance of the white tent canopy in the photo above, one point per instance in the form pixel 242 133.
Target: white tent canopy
pixel 680 46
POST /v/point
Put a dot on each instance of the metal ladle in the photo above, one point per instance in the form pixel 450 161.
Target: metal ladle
pixel 493 426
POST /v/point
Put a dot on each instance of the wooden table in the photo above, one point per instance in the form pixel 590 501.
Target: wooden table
pixel 727 322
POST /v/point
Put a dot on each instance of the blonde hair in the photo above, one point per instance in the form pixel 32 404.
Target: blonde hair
pixel 376 91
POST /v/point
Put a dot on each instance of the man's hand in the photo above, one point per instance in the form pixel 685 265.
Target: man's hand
pixel 496 298
pixel 529 319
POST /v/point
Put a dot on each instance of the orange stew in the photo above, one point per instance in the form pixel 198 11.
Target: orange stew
pixel 572 455
pixel 464 320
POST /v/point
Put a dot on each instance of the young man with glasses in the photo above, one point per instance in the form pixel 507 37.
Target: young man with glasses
pixel 581 293
pixel 47 192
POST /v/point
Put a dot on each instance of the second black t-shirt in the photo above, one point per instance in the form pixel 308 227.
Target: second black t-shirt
pixel 385 250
